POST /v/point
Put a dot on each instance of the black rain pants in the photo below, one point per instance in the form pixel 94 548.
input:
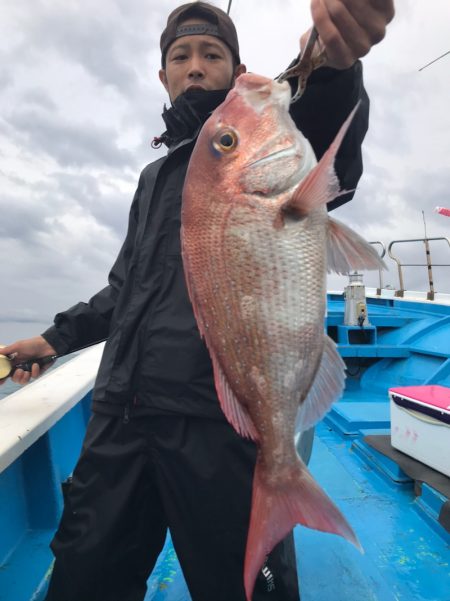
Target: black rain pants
pixel 135 480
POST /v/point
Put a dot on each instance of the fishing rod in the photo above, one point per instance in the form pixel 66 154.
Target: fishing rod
pixel 229 6
pixel 7 367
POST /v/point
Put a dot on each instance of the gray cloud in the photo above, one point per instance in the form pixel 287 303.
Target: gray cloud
pixel 21 220
pixel 6 78
pixel 80 39
pixel 109 207
pixel 39 98
pixel 81 101
pixel 68 144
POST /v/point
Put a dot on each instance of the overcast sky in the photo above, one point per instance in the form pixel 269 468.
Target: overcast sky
pixel 81 100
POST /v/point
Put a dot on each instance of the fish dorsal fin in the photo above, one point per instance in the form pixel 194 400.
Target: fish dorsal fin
pixel 347 250
pixel 235 413
pixel 321 185
pixel 325 390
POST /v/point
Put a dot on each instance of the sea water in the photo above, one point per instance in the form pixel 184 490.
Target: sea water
pixel 8 388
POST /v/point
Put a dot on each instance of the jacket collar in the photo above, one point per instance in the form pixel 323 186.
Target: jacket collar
pixel 188 113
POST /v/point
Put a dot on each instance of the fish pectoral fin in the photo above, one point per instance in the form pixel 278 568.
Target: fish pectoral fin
pixel 326 388
pixel 235 413
pixel 321 185
pixel 347 250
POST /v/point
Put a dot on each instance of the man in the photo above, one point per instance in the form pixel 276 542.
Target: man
pixel 158 452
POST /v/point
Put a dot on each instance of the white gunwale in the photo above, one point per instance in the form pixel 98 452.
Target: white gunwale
pixel 30 412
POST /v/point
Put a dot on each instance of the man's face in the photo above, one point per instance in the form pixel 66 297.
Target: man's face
pixel 198 62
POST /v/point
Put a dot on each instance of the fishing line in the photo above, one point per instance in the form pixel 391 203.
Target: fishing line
pixel 433 61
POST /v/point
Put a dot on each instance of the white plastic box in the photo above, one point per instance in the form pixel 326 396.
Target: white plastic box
pixel 420 424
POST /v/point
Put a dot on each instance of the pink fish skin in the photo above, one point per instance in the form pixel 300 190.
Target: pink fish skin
pixel 257 242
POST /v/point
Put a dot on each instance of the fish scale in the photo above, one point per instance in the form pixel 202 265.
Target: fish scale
pixel 274 323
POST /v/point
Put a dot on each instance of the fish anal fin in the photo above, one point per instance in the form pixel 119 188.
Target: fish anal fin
pixel 276 510
pixel 321 185
pixel 347 250
pixel 234 411
pixel 326 388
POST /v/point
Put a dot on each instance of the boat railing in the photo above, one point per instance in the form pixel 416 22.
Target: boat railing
pixel 30 412
pixel 382 253
pixel 428 264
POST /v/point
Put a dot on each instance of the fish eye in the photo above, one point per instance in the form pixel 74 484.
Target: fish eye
pixel 225 140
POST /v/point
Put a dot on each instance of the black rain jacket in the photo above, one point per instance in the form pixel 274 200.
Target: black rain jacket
pixel 154 361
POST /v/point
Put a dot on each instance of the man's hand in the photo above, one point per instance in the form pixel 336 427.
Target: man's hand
pixel 24 350
pixel 349 28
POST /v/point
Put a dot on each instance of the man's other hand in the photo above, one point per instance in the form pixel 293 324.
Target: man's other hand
pixel 24 350
pixel 349 28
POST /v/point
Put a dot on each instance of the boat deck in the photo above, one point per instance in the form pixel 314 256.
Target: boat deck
pixel 407 549
pixel 405 556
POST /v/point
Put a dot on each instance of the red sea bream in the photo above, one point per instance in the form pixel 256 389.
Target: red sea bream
pixel 257 242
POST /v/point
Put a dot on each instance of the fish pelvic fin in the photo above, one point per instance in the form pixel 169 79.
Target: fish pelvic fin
pixel 321 185
pixel 234 411
pixel 347 250
pixel 276 510
pixel 327 387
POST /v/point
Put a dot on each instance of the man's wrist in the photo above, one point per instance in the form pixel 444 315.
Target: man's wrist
pixel 329 74
pixel 55 341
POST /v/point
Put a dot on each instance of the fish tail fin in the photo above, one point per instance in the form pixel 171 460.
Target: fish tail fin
pixel 276 510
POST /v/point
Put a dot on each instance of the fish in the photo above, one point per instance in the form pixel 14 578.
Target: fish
pixel 257 242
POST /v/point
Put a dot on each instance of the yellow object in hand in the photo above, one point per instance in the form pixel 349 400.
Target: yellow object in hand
pixel 5 366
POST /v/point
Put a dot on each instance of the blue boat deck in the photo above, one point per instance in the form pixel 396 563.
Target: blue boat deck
pixel 407 550
pixel 405 558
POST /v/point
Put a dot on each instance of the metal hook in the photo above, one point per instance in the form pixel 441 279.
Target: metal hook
pixel 305 66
